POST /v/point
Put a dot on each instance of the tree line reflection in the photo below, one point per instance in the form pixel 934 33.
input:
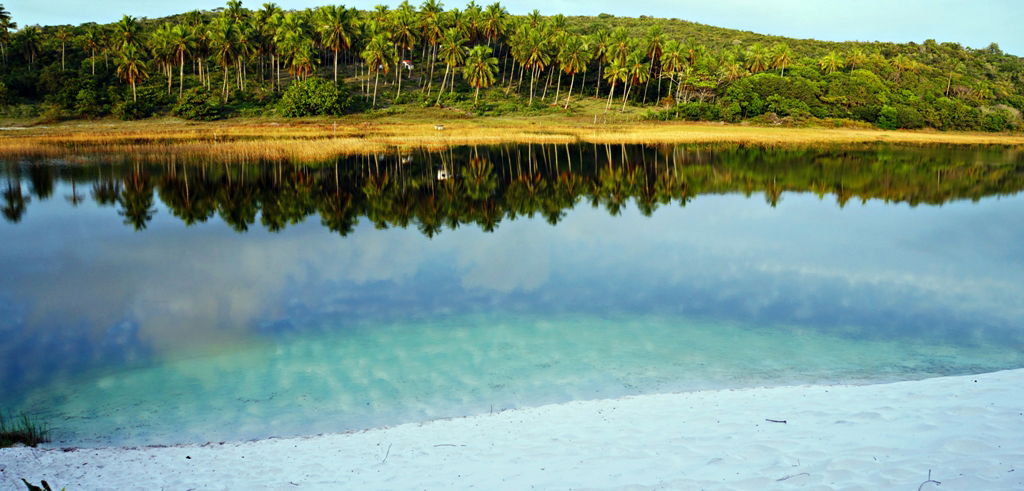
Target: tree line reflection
pixel 488 184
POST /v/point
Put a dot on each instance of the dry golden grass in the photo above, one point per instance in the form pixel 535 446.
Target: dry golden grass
pixel 314 140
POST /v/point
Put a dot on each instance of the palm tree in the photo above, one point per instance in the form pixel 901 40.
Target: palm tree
pixel 266 22
pixel 758 59
pixel 163 53
pixel 62 35
pixel 655 49
pixel 235 11
pixel 91 42
pixel 492 22
pixel 638 72
pixel 616 72
pixel 782 57
pixel 31 39
pixel 536 56
pixel 127 31
pixel 900 64
pixel 132 68
pixel 453 53
pixel 600 43
pixel 6 26
pixel 404 35
pixel 223 43
pixel 246 41
pixel 431 32
pixel 379 55
pixel 574 58
pixel 830 62
pixel 856 59
pixel 731 69
pixel 303 60
pixel 181 42
pixel 672 62
pixel 333 24
pixel 480 69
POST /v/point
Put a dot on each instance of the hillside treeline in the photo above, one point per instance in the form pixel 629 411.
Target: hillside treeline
pixel 332 60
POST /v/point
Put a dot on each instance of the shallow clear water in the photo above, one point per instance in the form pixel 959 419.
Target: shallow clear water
pixel 197 332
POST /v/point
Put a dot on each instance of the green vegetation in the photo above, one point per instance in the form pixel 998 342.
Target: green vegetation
pixel 333 60
pixel 44 486
pixel 23 430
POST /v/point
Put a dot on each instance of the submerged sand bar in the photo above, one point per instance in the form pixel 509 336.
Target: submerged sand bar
pixel 968 430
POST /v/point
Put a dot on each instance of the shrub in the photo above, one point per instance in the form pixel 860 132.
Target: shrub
pixel 22 430
pixel 315 97
pixel 52 113
pixel 150 101
pixel 198 105
pixel 996 120
pixel 132 110
pixel 88 103
pixel 689 111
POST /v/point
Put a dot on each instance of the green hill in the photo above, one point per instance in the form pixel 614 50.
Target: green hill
pixel 234 61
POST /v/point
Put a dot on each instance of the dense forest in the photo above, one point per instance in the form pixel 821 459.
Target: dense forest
pixel 333 60
pixel 491 184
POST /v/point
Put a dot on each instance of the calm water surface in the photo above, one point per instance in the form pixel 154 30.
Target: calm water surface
pixel 145 303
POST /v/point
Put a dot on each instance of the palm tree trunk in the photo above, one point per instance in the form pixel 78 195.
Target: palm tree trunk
pixel 476 98
pixel 335 66
pixel 533 83
pixel 546 85
pixel 376 79
pixel 181 75
pixel 625 97
pixel 430 79
pixel 610 95
pixel 647 85
pixel 135 96
pixel 224 90
pixel 62 57
pixel 440 91
pixel 568 98
pixel 600 75
pixel 91 58
pixel 558 87
pixel 399 70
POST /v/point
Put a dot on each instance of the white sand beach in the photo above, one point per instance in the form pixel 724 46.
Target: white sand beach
pixel 968 430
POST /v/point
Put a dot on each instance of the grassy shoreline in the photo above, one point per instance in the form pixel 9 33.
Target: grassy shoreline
pixel 318 139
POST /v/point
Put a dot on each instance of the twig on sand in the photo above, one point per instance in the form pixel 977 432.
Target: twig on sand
pixel 775 420
pixel 386 454
pixel 937 483
pixel 792 476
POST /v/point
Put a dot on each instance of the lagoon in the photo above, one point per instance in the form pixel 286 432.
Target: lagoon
pixel 169 302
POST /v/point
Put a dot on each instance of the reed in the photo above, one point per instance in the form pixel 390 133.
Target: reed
pixel 249 141
pixel 23 430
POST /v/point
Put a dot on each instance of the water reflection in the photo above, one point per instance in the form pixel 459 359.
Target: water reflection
pixel 193 331
pixel 486 185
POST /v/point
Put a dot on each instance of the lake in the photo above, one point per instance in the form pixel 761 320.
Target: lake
pixel 160 302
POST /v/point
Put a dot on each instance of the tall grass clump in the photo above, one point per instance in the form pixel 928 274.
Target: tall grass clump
pixel 23 430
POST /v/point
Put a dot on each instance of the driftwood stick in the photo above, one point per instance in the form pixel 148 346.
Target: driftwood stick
pixel 937 483
pixel 792 476
pixel 775 420
pixel 387 454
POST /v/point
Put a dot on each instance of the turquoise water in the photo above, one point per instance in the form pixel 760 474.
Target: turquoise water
pixel 191 333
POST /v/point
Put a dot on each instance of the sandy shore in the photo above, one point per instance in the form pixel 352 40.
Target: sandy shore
pixel 969 431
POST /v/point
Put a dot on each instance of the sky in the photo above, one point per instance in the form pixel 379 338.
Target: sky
pixel 974 23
